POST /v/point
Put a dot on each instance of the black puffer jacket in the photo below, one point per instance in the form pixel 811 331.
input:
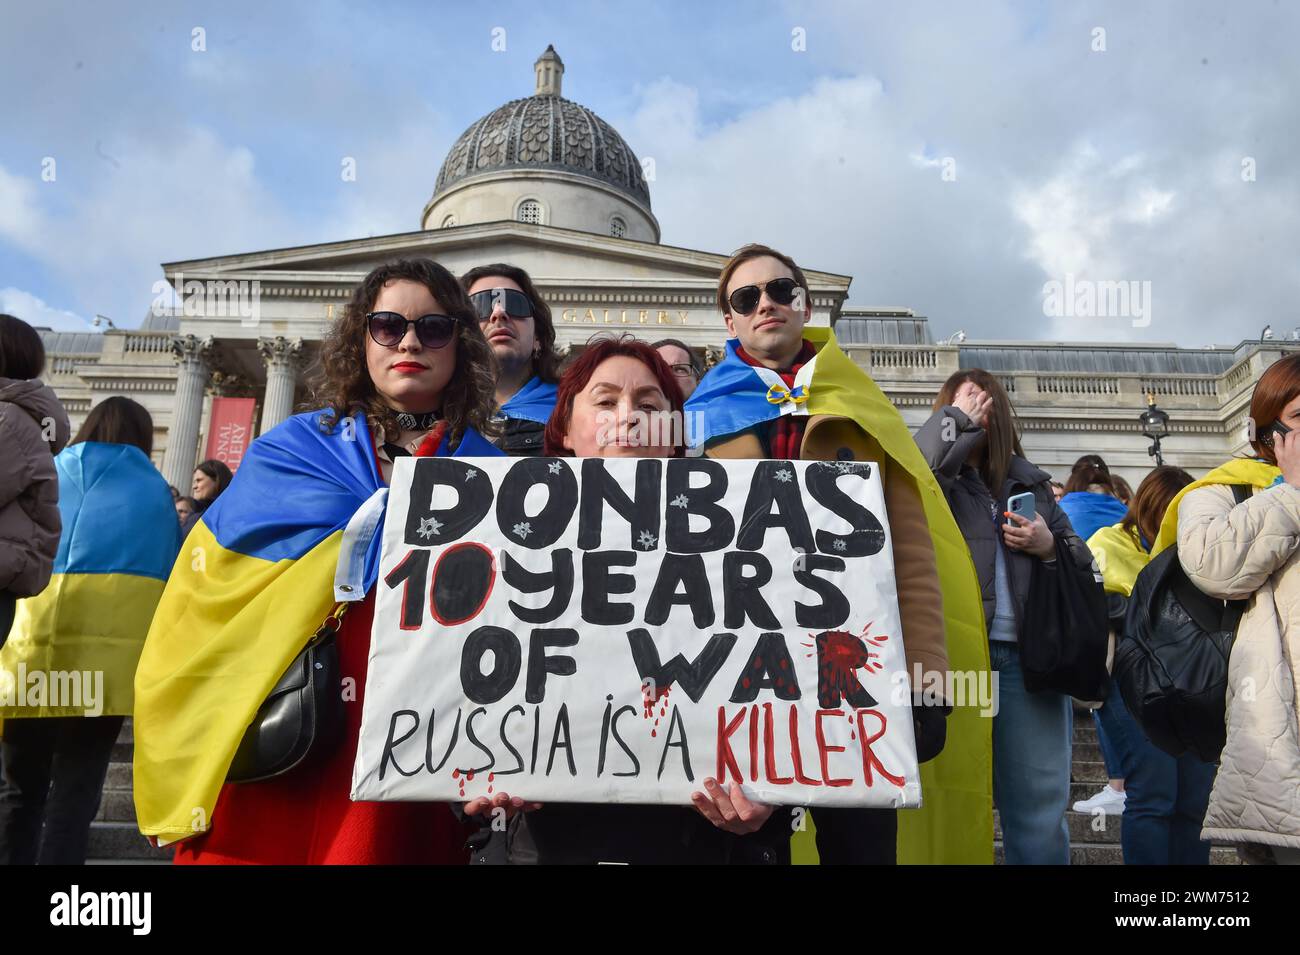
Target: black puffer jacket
pixel 973 506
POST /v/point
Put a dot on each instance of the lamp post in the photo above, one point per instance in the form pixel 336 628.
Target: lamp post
pixel 1155 425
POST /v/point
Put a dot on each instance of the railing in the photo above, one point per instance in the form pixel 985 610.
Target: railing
pixel 67 364
pixel 1077 385
pixel 904 356
pixel 1190 386
pixel 1237 376
pixel 153 344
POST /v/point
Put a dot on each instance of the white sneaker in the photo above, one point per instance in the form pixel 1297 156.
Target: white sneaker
pixel 1109 801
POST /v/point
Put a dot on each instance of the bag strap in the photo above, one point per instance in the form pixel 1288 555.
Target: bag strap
pixel 330 626
pixel 1233 609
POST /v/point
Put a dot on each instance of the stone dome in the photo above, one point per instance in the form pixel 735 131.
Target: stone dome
pixel 545 133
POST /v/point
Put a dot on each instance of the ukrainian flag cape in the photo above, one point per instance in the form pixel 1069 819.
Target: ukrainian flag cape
pixel 955 824
pixel 1236 471
pixel 119 541
pixel 533 402
pixel 253 582
pixel 1121 557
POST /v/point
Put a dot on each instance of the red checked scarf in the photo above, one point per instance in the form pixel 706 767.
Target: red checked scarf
pixel 786 432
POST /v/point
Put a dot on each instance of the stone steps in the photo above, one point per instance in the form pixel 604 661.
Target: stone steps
pixel 114 837
pixel 1094 838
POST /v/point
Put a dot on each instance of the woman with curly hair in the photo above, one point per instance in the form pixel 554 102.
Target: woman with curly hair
pixel 406 371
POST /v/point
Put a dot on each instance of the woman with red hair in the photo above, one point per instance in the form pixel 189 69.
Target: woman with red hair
pixel 620 399
pixel 1251 551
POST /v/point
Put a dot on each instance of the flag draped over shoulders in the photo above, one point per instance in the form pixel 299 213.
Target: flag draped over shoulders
pixel 1120 556
pixel 119 541
pixel 955 823
pixel 1257 474
pixel 252 583
pixel 533 402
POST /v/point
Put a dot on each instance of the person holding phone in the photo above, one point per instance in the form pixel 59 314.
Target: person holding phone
pixel 1009 516
pixel 1248 551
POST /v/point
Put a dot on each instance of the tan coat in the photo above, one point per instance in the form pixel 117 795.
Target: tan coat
pixel 920 599
pixel 1252 550
pixel 33 428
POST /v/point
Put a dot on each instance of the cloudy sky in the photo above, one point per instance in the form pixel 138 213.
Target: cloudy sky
pixel 952 158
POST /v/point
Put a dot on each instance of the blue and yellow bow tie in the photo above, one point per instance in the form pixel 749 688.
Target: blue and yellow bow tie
pixel 779 394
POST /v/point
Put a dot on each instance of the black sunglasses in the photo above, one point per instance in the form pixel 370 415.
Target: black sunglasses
pixel 389 328
pixel 781 291
pixel 515 303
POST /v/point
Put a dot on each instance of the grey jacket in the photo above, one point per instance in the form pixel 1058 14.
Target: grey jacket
pixel 973 507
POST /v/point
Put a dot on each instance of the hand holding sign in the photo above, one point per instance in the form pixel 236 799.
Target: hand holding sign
pixel 513 805
pixel 731 811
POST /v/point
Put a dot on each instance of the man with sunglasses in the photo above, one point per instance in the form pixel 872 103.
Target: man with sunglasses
pixel 517 324
pixel 757 403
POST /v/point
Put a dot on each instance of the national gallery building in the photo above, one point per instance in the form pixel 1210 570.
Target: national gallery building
pixel 545 184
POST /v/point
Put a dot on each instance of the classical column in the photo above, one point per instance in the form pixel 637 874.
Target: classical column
pixel 281 356
pixel 193 355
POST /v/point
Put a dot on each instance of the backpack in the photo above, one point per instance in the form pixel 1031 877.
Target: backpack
pixel 1172 660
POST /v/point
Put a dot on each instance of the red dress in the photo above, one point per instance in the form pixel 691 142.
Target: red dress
pixel 306 817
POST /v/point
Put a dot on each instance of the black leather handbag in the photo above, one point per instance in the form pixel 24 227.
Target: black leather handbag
pixel 302 719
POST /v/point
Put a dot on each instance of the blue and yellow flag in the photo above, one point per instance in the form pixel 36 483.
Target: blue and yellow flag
pixel 955 824
pixel 1120 557
pixel 119 541
pixel 1258 474
pixel 533 402
pixel 252 584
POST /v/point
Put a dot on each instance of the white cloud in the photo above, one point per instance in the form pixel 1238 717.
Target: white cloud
pixel 22 220
pixel 186 194
pixel 34 311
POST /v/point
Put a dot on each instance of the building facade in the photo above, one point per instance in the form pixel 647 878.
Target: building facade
pixel 545 184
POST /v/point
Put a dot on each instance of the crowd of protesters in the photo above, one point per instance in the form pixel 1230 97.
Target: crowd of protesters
pixel 432 365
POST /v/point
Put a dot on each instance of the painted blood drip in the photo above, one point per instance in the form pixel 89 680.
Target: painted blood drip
pixel 455 774
pixel 648 702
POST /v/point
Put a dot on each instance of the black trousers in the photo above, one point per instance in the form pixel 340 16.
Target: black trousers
pixel 52 773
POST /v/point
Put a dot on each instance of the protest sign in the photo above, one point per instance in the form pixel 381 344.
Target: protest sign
pixel 616 630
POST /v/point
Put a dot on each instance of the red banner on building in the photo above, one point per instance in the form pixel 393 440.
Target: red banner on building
pixel 230 430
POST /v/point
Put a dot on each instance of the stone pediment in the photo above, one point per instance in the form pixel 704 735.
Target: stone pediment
pixel 554 257
pixel 593 283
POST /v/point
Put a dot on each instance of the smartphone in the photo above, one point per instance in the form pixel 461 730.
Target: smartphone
pixel 1021 505
pixel 1276 429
